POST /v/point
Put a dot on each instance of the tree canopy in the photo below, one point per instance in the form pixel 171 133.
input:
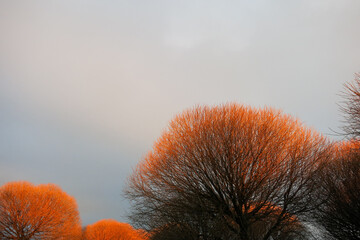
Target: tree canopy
pixel 339 191
pixel 107 229
pixel 339 180
pixel 223 170
pixel 37 212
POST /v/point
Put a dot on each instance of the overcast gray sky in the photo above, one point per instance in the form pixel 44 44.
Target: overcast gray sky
pixel 86 87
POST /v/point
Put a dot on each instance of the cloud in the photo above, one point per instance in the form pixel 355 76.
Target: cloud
pixel 91 84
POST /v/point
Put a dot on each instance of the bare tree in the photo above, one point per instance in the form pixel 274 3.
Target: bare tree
pixel 351 108
pixel 37 212
pixel 174 231
pixel 111 229
pixel 340 189
pixel 339 181
pixel 228 170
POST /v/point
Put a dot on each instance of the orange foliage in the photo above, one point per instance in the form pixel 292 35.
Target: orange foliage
pixel 37 212
pixel 109 229
pixel 227 163
pixel 268 139
pixel 346 147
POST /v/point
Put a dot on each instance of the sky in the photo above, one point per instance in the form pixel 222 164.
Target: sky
pixel 86 87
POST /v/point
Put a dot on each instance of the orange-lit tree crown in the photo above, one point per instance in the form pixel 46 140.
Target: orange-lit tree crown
pixel 108 229
pixel 37 212
pixel 228 164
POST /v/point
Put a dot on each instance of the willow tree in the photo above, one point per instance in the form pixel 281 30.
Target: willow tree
pixel 226 170
pixel 114 230
pixel 37 212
